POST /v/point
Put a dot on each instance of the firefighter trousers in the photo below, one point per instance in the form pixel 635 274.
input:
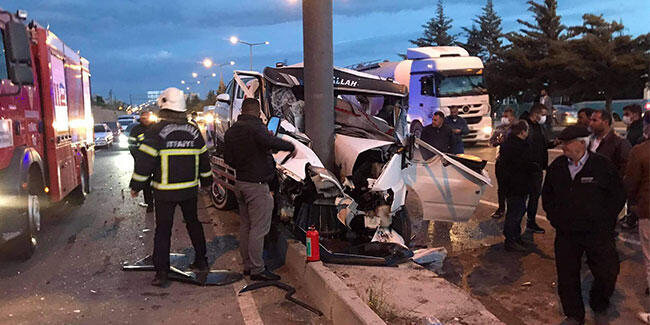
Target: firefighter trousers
pixel 164 224
pixel 602 259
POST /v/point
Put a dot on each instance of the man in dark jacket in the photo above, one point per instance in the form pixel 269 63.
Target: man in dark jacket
pixel 459 126
pixel 582 196
pixel 498 137
pixel 632 118
pixel 438 135
pixel 248 146
pixel 174 159
pixel 518 167
pixel 539 145
pixel 136 137
pixel 606 142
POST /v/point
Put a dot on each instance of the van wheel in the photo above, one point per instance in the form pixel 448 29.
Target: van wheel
pixel 402 225
pixel 222 198
pixel 80 193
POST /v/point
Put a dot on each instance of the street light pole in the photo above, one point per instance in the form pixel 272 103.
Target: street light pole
pixel 235 40
pixel 318 76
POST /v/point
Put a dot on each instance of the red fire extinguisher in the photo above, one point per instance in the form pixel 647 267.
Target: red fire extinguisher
pixel 311 241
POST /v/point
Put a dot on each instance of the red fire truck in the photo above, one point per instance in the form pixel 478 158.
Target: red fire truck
pixel 46 127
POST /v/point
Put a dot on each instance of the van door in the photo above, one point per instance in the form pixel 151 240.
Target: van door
pixel 446 189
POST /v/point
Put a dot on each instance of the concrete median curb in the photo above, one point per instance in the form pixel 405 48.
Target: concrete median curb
pixel 332 296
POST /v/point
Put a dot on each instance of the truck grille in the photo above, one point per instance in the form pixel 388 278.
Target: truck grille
pixel 473 120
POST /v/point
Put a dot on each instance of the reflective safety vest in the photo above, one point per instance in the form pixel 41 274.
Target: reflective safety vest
pixel 174 158
pixel 136 137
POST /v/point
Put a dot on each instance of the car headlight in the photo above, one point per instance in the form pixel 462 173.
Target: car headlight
pixel 487 130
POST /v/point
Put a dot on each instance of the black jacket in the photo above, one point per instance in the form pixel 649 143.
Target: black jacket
pixel 173 157
pixel 248 146
pixel 136 137
pixel 518 166
pixel 441 138
pixel 635 132
pixel 539 143
pixel 616 149
pixel 589 203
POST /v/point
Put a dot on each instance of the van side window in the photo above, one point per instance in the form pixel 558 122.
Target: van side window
pixel 229 87
pixel 426 86
pixel 3 57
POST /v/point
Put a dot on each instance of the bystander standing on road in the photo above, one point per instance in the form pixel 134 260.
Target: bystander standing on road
pixel 459 126
pixel 518 168
pixel 438 135
pixel 582 196
pixel 545 99
pixel 634 135
pixel 606 142
pixel 174 153
pixel 248 147
pixel 499 136
pixel 634 123
pixel 584 116
pixel 637 184
pixel 136 137
pixel 539 145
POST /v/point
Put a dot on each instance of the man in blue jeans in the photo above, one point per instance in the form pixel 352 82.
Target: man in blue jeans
pixel 518 167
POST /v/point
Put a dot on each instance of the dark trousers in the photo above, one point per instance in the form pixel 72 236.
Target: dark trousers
pixel 533 197
pixel 514 214
pixel 148 194
pixel 501 189
pixel 603 262
pixel 164 223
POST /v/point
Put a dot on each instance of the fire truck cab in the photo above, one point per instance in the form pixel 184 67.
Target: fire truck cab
pixel 46 127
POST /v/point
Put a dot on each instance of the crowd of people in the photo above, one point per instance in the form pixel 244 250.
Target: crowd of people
pixel 583 193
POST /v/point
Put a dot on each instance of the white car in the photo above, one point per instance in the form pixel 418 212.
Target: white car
pixel 103 135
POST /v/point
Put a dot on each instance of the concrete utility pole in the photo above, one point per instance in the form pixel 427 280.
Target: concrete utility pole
pixel 318 78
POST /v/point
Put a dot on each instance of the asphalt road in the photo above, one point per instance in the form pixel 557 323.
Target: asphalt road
pixel 520 288
pixel 75 276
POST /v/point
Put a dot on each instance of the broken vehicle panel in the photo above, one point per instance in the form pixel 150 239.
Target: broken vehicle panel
pixel 377 162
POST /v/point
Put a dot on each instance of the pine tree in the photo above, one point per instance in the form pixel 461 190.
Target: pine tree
pixel 491 34
pixel 222 87
pixel 436 30
pixel 602 62
pixel 474 44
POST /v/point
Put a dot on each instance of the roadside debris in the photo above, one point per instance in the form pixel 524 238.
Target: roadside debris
pixel 432 258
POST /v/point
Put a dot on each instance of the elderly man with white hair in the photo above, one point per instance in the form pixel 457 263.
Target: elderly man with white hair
pixel 582 195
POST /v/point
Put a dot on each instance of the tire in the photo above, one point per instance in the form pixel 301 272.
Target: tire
pixel 222 198
pixel 79 194
pixel 402 225
pixel 26 243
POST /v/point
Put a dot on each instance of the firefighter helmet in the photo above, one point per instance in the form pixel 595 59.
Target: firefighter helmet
pixel 172 99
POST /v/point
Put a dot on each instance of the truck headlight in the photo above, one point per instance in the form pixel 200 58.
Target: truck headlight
pixel 487 130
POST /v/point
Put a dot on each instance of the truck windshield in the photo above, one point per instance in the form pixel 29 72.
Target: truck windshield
pixel 460 85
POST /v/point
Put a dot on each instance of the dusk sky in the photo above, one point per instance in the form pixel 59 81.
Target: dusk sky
pixel 134 46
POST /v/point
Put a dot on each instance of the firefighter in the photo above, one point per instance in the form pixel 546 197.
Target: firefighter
pixel 174 155
pixel 136 137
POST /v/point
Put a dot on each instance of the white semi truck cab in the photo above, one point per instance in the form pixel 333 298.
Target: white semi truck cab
pixel 439 78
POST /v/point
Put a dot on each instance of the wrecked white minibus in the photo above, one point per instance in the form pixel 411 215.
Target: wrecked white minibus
pixel 377 163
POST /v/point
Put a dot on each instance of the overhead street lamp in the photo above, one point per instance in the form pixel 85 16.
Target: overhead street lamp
pixel 234 40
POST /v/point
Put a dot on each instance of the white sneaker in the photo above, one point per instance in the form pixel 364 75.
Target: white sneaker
pixel 644 317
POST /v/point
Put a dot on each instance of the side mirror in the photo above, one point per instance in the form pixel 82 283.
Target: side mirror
pixel 18 54
pixel 223 98
pixel 274 125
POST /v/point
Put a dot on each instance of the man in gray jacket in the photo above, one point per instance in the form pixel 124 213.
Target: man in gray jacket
pixel 248 147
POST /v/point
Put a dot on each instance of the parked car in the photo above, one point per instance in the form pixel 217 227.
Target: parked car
pixel 564 115
pixel 103 135
pixel 126 120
